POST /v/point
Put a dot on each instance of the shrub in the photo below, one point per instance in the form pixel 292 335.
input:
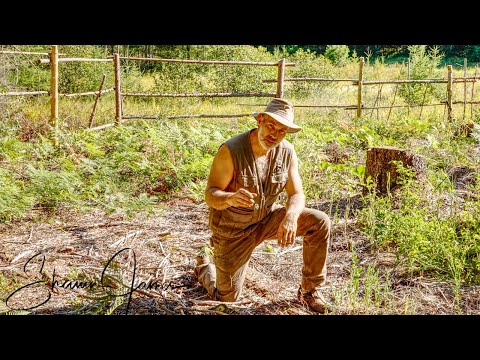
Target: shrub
pixel 83 76
pixel 423 65
pixel 337 54
pixel 180 78
pixel 308 64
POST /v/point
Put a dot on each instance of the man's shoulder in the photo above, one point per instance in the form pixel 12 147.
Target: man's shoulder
pixel 237 139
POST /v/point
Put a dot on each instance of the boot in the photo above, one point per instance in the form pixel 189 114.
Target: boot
pixel 313 300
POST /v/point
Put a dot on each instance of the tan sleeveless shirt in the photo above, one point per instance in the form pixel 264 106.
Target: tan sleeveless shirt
pixel 240 221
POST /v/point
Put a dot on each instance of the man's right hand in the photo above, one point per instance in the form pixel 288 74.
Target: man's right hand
pixel 242 198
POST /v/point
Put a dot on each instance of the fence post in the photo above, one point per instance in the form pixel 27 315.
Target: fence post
pixel 473 88
pixel 360 83
pixel 54 91
pixel 90 122
pixel 464 86
pixel 118 94
pixel 408 86
pixel 281 77
pixel 449 92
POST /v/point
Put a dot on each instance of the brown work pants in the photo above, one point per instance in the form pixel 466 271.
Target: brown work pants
pixel 224 279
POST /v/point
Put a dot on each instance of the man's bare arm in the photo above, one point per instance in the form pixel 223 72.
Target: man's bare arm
pixel 221 173
pixel 294 189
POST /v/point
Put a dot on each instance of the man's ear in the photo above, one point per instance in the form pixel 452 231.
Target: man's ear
pixel 259 119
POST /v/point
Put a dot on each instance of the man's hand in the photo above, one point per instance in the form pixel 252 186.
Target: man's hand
pixel 287 231
pixel 241 198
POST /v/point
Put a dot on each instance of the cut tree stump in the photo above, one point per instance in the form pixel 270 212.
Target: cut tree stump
pixel 383 171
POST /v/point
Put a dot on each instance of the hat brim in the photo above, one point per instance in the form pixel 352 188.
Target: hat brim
pixel 292 128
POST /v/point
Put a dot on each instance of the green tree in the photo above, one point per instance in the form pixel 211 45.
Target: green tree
pixel 337 54
pixel 83 76
pixel 424 63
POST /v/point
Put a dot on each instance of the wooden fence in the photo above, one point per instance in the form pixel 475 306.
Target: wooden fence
pixel 54 60
pixel 280 85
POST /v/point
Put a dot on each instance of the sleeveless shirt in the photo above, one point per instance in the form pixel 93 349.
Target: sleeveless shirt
pixel 239 221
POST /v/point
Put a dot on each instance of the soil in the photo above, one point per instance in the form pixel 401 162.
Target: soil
pixel 162 246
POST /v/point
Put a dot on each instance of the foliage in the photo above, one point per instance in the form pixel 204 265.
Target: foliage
pixel 423 65
pixel 472 52
pixel 129 168
pixel 308 64
pixel 83 76
pixel 22 72
pixel 200 78
pixel 425 240
pixel 367 291
pixel 337 54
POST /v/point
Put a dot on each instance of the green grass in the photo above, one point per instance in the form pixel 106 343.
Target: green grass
pixel 368 291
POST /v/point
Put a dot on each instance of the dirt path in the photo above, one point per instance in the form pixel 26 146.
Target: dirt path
pixel 162 248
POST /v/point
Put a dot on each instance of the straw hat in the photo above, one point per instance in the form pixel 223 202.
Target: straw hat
pixel 282 111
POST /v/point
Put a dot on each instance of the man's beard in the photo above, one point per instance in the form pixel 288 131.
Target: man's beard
pixel 263 144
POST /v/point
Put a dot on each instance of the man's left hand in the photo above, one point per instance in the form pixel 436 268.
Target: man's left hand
pixel 287 231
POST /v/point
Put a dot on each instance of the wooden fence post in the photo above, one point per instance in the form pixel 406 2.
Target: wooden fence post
pixel 54 91
pixel 118 93
pixel 473 88
pixel 360 83
pixel 408 86
pixel 449 92
pixel 281 77
pixel 90 122
pixel 464 86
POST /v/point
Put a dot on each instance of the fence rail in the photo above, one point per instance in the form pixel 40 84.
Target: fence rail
pixel 15 52
pixel 88 93
pixel 210 62
pixel 47 61
pixel 377 82
pixel 21 93
pixel 243 94
pixel 54 60
pixel 159 116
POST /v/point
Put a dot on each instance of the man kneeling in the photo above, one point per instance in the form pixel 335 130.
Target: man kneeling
pixel 248 173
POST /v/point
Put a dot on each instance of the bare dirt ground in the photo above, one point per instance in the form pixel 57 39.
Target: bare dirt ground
pixel 162 249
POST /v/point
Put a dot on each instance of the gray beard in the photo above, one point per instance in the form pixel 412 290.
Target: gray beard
pixel 262 143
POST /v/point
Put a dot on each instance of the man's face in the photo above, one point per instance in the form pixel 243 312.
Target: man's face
pixel 270 132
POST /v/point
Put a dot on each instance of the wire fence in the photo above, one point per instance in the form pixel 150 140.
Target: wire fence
pixel 364 96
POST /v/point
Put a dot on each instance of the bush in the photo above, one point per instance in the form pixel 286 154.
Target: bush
pixel 23 72
pixel 83 76
pixel 308 64
pixel 337 54
pixel 184 78
pixel 423 65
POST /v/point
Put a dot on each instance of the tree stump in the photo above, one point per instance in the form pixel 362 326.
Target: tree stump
pixel 383 171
